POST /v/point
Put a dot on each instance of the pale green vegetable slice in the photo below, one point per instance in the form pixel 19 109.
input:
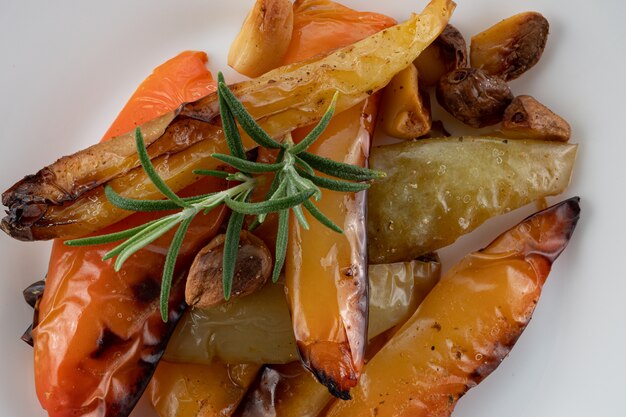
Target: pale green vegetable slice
pixel 439 189
pixel 257 328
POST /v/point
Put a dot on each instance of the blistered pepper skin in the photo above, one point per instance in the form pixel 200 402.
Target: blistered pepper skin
pixel 281 100
pixel 326 273
pixel 466 326
pixel 100 333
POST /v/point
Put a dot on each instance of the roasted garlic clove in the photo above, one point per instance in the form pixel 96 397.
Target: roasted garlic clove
pixel 511 47
pixel 448 52
pixel 252 269
pixel 406 106
pixel 527 118
pixel 262 42
pixel 474 97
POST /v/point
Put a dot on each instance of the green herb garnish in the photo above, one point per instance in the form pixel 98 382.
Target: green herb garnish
pixel 294 184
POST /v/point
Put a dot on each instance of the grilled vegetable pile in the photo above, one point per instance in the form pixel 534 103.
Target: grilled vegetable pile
pixel 243 250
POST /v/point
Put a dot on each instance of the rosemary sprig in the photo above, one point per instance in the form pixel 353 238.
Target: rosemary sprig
pixel 294 184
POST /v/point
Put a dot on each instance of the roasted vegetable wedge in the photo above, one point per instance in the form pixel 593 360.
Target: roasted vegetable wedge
pixel 288 97
pixel 100 333
pixel 191 390
pixel 439 189
pixel 406 106
pixel 322 265
pixel 257 328
pixel 395 292
pixel 466 326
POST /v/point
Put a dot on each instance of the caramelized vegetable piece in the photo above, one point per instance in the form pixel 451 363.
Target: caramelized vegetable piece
pixel 439 189
pixel 283 99
pixel 317 32
pixel 511 47
pixel 257 328
pixel 284 390
pixel 263 39
pixel 447 53
pixel 252 329
pixel 466 325
pixel 527 118
pixel 252 269
pixel 405 106
pixel 100 333
pixel 473 97
pixel 290 390
pixel 191 390
pixel 322 265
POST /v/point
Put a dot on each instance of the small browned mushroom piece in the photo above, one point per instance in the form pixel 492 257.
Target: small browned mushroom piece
pixel 405 106
pixel 473 97
pixel 511 47
pixel 448 52
pixel 529 119
pixel 252 269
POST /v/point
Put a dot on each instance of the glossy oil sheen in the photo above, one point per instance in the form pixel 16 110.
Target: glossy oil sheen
pixel 466 326
pixel 326 272
pixel 437 190
pixel 257 328
pixel 192 390
pixel 100 333
pixel 290 390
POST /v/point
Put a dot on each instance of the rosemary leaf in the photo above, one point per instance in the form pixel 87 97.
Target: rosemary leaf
pixel 248 166
pixel 170 263
pixel 138 205
pixel 231 132
pixel 303 183
pixel 148 205
pixel 247 122
pixel 108 238
pixel 231 246
pixel 341 170
pixel 304 165
pixel 212 173
pixel 282 238
pixel 317 130
pixel 144 240
pixel 335 185
pixel 146 163
pixel 297 210
pixel 315 212
pixel 150 227
pixel 269 206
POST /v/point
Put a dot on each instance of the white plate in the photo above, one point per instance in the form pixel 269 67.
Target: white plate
pixel 67 67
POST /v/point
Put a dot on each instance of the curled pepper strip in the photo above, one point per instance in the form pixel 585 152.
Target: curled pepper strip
pixel 100 333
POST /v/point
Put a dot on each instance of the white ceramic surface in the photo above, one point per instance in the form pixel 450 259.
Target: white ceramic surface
pixel 67 67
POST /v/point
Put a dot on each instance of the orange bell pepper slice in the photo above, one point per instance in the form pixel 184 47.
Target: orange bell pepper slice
pixel 100 334
pixel 326 272
pixel 466 325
